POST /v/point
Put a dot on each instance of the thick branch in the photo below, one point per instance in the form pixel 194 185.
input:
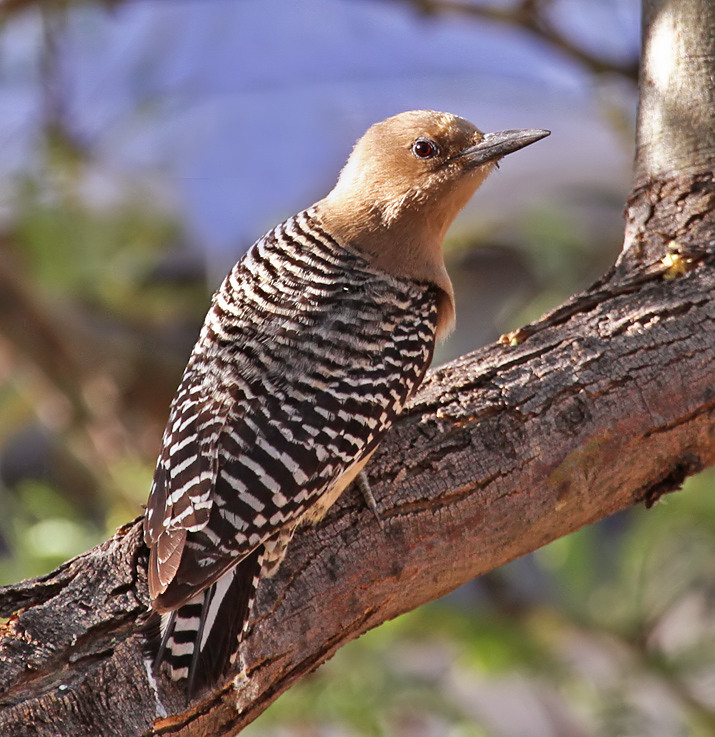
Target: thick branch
pixel 608 402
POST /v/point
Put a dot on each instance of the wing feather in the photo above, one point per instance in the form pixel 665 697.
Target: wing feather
pixel 267 421
pixel 181 495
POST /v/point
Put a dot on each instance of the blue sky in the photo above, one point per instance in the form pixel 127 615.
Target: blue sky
pixel 240 112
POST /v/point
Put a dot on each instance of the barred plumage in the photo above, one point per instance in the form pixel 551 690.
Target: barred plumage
pixel 306 357
pixel 311 347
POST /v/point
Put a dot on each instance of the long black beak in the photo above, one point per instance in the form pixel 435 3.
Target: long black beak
pixel 495 145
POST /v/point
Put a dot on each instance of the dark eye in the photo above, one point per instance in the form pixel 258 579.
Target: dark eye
pixel 423 148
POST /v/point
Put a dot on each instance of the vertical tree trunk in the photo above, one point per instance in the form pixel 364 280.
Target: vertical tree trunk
pixel 669 214
pixel 676 116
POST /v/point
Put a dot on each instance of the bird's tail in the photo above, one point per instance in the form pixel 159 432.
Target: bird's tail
pixel 200 639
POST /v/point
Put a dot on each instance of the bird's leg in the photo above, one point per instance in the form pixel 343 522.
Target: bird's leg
pixel 366 491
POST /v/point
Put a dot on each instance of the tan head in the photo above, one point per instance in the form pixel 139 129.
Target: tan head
pixel 403 185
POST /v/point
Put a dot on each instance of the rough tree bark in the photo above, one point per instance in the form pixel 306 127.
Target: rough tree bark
pixel 605 402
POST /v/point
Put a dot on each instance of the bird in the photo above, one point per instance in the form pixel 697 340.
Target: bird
pixel 311 348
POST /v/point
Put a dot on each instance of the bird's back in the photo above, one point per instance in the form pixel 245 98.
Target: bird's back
pixel 312 346
pixel 307 355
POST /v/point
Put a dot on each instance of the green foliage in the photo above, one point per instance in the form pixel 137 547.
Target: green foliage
pixel 43 530
pixel 97 256
pixel 85 269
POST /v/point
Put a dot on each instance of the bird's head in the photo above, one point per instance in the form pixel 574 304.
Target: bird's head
pixel 405 182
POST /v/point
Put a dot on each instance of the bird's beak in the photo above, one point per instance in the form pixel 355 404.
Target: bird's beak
pixel 495 145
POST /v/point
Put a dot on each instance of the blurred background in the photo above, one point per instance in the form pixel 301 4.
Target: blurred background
pixel 145 144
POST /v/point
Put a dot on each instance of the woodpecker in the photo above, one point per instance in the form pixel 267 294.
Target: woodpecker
pixel 312 346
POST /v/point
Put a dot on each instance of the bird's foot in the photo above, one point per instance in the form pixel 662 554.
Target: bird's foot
pixel 366 491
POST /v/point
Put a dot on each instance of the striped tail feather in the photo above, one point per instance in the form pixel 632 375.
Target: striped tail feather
pixel 200 639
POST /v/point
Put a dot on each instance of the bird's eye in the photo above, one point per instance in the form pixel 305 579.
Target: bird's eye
pixel 423 148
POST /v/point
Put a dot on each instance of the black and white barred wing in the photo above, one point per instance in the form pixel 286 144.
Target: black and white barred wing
pixel 273 457
pixel 182 490
pixel 269 460
pixel 306 358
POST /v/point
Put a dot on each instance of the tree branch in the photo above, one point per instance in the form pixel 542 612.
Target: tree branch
pixel 533 19
pixel 607 402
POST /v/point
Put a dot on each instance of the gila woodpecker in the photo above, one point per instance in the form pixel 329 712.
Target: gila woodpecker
pixel 311 348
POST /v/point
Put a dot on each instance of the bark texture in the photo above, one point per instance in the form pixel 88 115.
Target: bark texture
pixel 676 117
pixel 606 402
